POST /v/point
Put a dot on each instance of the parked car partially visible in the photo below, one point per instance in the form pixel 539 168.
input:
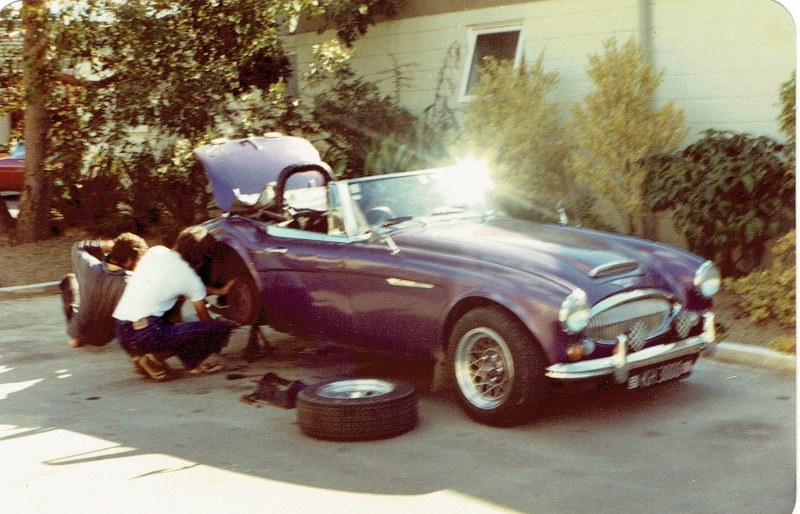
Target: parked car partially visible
pixel 418 265
pixel 12 169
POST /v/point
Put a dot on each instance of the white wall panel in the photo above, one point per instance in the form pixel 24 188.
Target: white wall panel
pixel 724 60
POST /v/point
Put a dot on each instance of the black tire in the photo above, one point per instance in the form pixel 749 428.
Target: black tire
pixel 243 301
pixel 496 367
pixel 242 304
pixel 357 409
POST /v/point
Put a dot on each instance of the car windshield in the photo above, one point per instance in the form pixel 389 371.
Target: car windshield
pixel 420 196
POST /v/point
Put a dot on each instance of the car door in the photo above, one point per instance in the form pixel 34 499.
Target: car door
pixel 398 299
pixel 358 293
pixel 303 277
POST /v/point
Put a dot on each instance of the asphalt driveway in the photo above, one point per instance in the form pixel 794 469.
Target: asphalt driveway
pixel 79 432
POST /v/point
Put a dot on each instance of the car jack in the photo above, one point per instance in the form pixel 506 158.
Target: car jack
pixel 258 346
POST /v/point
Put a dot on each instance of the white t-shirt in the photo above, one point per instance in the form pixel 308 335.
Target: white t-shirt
pixel 160 278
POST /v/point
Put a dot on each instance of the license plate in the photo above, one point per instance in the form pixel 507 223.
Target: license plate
pixel 659 374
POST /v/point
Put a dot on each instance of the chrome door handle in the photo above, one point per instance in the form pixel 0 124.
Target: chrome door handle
pixel 278 249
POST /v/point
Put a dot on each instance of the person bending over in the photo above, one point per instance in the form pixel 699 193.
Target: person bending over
pixel 101 268
pixel 164 276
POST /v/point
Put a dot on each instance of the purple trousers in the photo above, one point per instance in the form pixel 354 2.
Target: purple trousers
pixel 192 342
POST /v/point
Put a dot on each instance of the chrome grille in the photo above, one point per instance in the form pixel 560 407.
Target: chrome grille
pixel 617 317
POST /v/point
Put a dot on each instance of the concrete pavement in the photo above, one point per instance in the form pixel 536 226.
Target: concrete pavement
pixel 80 432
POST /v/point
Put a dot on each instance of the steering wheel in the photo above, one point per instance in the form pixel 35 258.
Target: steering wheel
pixel 378 215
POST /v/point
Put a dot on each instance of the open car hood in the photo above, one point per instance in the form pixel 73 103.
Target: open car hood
pixel 249 164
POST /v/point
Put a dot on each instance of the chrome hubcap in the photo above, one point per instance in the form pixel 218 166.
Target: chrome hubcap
pixel 484 368
pixel 362 388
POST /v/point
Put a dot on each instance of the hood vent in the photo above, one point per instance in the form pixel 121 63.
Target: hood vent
pixel 613 268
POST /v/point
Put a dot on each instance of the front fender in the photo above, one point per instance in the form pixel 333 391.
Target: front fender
pixel 237 254
pixel 535 306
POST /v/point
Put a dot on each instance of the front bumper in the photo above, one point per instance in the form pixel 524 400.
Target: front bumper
pixel 621 364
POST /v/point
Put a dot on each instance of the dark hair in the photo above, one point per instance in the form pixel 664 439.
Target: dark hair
pixel 194 245
pixel 127 246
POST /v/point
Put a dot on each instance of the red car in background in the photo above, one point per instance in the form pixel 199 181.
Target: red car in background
pixel 12 169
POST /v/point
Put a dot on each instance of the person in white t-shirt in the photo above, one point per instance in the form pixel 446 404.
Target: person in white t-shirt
pixel 163 277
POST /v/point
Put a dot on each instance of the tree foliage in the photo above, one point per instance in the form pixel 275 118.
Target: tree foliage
pixel 788 115
pixel 354 115
pixel 177 67
pixel 615 127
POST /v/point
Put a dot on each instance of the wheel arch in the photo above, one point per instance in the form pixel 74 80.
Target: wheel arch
pixel 470 303
pixel 232 260
pixel 234 247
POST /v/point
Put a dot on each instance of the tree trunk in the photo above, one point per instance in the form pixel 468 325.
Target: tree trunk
pixel 7 221
pixel 33 221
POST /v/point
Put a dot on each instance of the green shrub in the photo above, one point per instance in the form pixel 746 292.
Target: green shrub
pixel 788 116
pixel 424 146
pixel 728 193
pixel 512 125
pixel 354 116
pixel 784 344
pixel 614 127
pixel 771 294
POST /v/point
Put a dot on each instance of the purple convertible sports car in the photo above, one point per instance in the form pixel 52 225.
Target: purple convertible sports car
pixel 416 264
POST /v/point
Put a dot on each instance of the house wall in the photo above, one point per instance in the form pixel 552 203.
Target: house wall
pixel 5 129
pixel 724 61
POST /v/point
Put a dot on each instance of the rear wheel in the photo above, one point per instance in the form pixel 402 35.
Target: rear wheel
pixel 243 302
pixel 497 367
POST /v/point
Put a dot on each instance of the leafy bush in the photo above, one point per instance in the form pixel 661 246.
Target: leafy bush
pixel 729 194
pixel 788 114
pixel 614 128
pixel 354 115
pixel 421 147
pixel 511 124
pixel 770 294
pixel 784 344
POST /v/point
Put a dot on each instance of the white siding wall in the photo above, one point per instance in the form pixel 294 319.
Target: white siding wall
pixel 724 61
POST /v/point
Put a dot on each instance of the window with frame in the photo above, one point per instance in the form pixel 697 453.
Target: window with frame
pixel 502 43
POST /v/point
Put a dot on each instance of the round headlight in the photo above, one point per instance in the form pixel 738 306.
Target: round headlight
pixel 707 279
pixel 574 312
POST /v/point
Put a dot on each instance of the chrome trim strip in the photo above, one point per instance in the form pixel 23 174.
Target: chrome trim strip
pixel 608 365
pixel 399 282
pixel 308 235
pixel 627 297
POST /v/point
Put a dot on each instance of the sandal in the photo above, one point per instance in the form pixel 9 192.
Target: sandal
pixel 153 368
pixel 207 368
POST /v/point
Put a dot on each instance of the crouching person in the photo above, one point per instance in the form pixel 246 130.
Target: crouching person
pixel 101 268
pixel 164 276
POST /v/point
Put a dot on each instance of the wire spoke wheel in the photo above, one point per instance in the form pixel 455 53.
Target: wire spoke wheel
pixel 484 368
pixel 497 367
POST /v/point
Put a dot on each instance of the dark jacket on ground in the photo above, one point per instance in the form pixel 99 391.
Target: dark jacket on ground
pixel 100 287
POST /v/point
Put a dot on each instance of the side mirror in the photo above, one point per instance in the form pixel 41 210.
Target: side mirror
pixel 562 213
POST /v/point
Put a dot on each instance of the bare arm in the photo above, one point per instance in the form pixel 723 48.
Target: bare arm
pixel 201 310
pixel 220 290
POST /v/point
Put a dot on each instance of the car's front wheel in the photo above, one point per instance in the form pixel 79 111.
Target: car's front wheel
pixel 496 366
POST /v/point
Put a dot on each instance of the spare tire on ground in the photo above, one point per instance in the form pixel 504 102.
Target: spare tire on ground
pixel 357 409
